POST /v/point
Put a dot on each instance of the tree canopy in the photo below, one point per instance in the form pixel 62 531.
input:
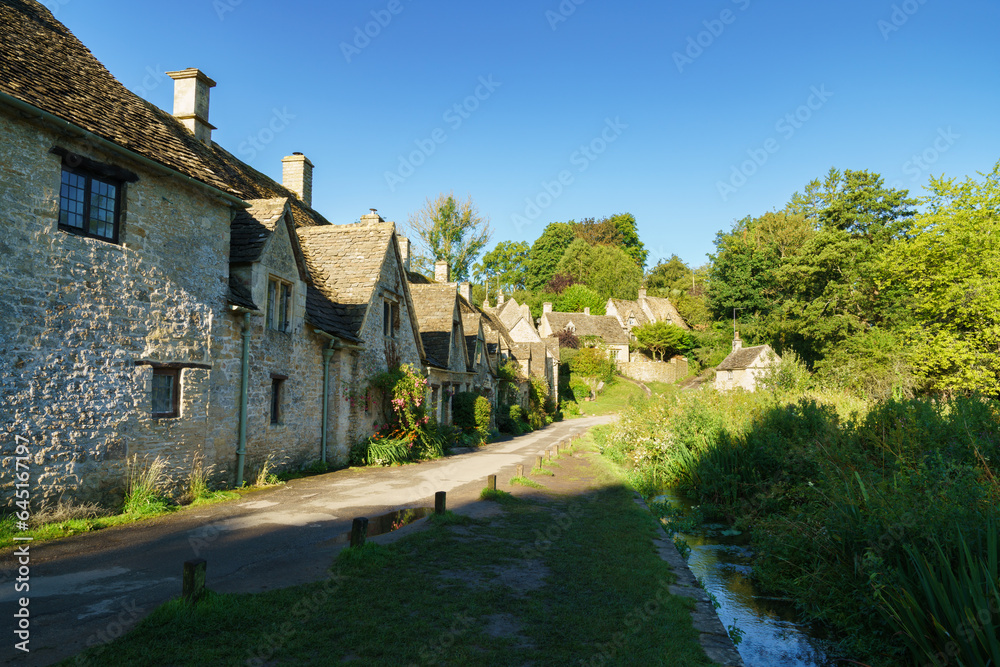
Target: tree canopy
pixel 452 231
pixel 546 252
pixel 504 267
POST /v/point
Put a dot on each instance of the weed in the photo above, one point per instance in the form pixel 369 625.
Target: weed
pixel 264 476
pixel 66 511
pixel 497 495
pixel 542 471
pixel 144 495
pixel 735 633
pixel 198 478
pixel 525 481
pixel 682 546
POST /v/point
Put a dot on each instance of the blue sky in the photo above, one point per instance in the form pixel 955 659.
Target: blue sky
pixel 687 114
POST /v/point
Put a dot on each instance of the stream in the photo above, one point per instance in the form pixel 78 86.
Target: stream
pixel 772 636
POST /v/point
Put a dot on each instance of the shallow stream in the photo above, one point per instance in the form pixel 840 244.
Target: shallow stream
pixel 772 636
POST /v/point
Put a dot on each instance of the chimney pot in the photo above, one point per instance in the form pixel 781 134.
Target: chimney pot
pixel 465 289
pixel 737 343
pixel 191 93
pixel 642 292
pixel 547 307
pixel 499 298
pixel 442 272
pixel 297 176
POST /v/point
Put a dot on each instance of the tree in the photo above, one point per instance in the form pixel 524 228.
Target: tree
pixel 666 273
pixel 546 252
pixel 607 270
pixel 559 283
pixel 662 339
pixel 504 266
pixel 568 339
pixel 618 231
pixel 594 366
pixel 452 231
pixel 947 266
pixel 578 297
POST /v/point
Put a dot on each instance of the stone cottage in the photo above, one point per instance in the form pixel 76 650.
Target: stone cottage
pixel 643 310
pixel 602 329
pixel 744 365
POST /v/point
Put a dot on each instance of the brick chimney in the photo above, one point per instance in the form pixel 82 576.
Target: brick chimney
pixel 547 307
pixel 737 343
pixel 465 289
pixel 642 292
pixel 297 176
pixel 191 89
pixel 442 272
pixel 586 310
pixel 404 251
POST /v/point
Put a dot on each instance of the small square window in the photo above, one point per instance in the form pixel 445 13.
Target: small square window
pixel 277 389
pixel 89 205
pixel 279 305
pixel 166 392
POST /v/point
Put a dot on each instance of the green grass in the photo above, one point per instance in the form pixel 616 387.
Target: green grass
pixel 570 581
pixel 542 471
pixel 497 495
pixel 614 398
pixel 525 481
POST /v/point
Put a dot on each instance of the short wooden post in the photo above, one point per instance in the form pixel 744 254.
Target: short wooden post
pixel 193 586
pixel 359 531
pixel 538 461
pixel 520 470
pixel 439 502
pixel 557 451
pixel 548 454
pixel 491 482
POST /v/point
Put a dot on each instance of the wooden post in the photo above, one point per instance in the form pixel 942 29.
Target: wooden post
pixel 520 470
pixel 557 451
pixel 193 586
pixel 359 531
pixel 538 461
pixel 439 502
pixel 491 482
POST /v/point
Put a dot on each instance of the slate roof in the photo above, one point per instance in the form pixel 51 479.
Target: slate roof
pixel 252 227
pixel 435 308
pixel 743 358
pixel 604 326
pixel 472 319
pixel 240 295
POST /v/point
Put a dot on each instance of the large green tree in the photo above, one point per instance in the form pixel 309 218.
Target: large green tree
pixel 619 230
pixel 504 267
pixel 546 252
pixel 662 339
pixel 608 270
pixel 449 230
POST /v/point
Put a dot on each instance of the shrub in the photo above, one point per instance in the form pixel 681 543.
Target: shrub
pixel 463 409
pixel 594 366
pixel 581 390
pixel 483 412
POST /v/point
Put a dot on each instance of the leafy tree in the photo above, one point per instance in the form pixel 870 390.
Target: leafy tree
pixel 607 270
pixel 560 282
pixel 662 339
pixel 546 252
pixel 619 230
pixel 449 230
pixel 947 266
pixel 578 297
pixel 577 261
pixel 666 273
pixel 568 339
pixel 742 274
pixel 504 266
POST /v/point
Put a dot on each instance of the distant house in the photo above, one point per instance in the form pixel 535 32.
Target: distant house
pixel 744 365
pixel 643 310
pixel 602 328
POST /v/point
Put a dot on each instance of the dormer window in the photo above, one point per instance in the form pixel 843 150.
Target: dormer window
pixel 390 318
pixel 279 305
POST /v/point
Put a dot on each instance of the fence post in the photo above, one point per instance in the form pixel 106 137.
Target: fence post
pixel 359 531
pixel 491 482
pixel 193 586
pixel 439 502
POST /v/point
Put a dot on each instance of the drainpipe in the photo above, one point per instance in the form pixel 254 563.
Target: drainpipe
pixel 327 355
pixel 241 451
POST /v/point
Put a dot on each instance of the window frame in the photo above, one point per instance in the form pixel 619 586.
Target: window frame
pixel 175 397
pixel 89 177
pixel 390 318
pixel 279 318
pixel 277 403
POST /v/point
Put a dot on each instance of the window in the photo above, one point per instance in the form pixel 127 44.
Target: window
pixel 89 205
pixel 479 351
pixel 390 318
pixel 277 388
pixel 279 305
pixel 166 392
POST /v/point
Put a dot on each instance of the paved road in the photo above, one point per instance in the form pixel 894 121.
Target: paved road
pixel 94 587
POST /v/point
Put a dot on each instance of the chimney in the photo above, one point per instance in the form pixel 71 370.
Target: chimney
pixel 442 272
pixel 297 176
pixel 642 292
pixel 526 311
pixel 547 307
pixel 737 343
pixel 465 289
pixel 499 298
pixel 191 88
pixel 586 310
pixel 404 251
pixel 372 217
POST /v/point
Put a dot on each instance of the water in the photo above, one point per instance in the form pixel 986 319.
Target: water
pixel 772 636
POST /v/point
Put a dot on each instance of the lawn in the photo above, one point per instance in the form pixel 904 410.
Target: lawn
pixel 562 579
pixel 613 399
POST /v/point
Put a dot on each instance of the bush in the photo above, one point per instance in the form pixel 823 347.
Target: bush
pixel 581 390
pixel 463 409
pixel 483 412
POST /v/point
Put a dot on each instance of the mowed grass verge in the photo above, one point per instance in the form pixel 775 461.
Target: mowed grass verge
pixel 549 579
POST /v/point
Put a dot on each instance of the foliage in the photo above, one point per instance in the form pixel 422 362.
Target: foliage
pixel 546 252
pixel 578 297
pixel 662 339
pixel 607 270
pixel 874 364
pixel 618 231
pixel 667 273
pixel 559 282
pixel 593 365
pixel 568 339
pixel 463 409
pixel 452 231
pixel 483 412
pixel 540 406
pixel 146 479
pixel 408 433
pixel 505 266
pixel 789 375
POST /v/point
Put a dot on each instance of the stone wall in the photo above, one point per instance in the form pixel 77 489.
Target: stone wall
pixel 79 317
pixel 655 371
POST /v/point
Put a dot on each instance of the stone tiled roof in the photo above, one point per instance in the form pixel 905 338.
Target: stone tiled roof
pixel 345 262
pixel 605 327
pixel 624 307
pixel 743 358
pixel 663 310
pixel 435 308
pixel 240 295
pixel 252 227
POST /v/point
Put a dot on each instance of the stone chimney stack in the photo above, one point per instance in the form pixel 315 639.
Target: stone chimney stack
pixel 547 307
pixel 586 310
pixel 191 88
pixel 404 251
pixel 737 343
pixel 297 176
pixel 642 292
pixel 526 311
pixel 442 272
pixel 465 289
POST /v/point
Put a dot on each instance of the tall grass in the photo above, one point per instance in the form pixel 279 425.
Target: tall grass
pixel 145 493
